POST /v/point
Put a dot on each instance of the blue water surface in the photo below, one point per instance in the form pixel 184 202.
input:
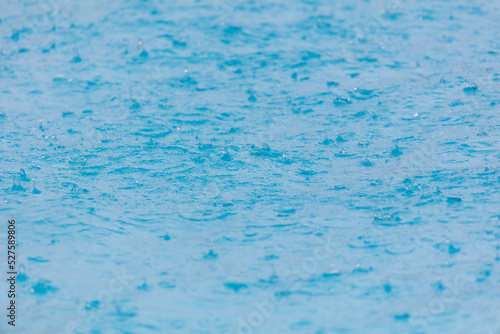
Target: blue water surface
pixel 258 166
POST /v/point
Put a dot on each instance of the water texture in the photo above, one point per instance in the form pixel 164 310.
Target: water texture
pixel 280 166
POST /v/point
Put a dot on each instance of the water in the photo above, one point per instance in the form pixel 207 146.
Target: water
pixel 252 166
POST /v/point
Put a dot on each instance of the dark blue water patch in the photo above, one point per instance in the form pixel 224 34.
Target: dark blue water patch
pixel 43 287
pixel 341 101
pixel 453 200
pixel 402 317
pixel 93 305
pixel 327 142
pixel 22 277
pixel 38 259
pixel 211 255
pixel 236 287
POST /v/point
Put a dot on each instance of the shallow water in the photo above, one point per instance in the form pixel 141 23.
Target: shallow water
pixel 252 166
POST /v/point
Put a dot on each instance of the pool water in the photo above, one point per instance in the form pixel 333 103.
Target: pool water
pixel 280 166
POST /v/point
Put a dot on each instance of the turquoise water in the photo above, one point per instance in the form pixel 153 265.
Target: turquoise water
pixel 252 166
